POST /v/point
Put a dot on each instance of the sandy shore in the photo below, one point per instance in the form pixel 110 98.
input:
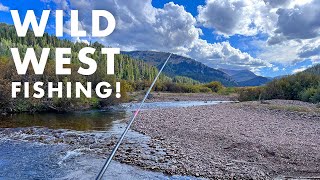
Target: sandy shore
pixel 243 140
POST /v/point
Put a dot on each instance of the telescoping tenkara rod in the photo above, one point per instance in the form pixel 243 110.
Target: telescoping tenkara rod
pixel 107 163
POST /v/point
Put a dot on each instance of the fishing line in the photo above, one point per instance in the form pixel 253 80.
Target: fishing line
pixel 107 163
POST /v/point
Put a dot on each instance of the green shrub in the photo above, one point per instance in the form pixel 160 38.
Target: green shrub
pixel 203 89
pixel 291 87
pixel 228 91
pixel 215 86
pixel 311 95
pixel 250 93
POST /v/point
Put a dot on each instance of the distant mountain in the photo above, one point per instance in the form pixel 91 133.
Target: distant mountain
pixel 183 66
pixel 257 81
pixel 277 77
pixel 239 75
pixel 230 72
pixel 246 77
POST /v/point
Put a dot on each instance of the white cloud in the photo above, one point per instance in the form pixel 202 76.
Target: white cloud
pixel 293 26
pixel 290 52
pixel 285 53
pixel 140 26
pixel 77 39
pixel 61 4
pixel 300 22
pixel 275 69
pixel 281 19
pixel 4 8
pixel 298 70
pixel 310 49
pixel 277 3
pixel 223 54
pixel 244 17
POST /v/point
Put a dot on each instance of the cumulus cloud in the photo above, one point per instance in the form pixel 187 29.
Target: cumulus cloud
pixel 310 50
pixel 285 53
pixel 4 8
pixel 244 17
pixel 299 70
pixel 277 3
pixel 282 20
pixel 300 20
pixel 140 26
pixel 291 27
pixel 223 54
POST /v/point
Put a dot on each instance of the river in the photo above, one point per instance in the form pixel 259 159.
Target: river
pixel 24 156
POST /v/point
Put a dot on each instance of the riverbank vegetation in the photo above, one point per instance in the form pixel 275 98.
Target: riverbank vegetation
pixel 304 86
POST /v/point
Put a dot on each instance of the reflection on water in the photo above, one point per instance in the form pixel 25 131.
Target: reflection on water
pixel 80 121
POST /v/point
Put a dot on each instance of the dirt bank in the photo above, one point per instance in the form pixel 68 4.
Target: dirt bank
pixel 244 140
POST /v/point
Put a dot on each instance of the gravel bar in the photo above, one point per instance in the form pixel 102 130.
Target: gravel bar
pixel 241 140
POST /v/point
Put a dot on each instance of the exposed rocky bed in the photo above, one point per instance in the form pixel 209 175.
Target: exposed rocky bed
pixel 244 140
pixel 240 140
pixel 160 97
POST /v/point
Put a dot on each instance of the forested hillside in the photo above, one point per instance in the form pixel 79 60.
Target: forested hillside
pixel 125 67
pixel 133 74
pixel 182 66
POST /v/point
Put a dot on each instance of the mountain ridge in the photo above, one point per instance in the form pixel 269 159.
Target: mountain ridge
pixel 245 77
pixel 182 66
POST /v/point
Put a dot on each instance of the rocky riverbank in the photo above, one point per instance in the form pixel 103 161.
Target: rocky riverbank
pixel 250 140
pixel 161 97
pixel 245 140
pixel 149 153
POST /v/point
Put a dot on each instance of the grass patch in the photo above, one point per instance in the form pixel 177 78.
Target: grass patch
pixel 293 108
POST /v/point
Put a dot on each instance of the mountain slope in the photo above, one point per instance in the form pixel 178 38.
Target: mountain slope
pixel 257 81
pixel 182 66
pixel 246 77
pixel 239 75
pixel 125 68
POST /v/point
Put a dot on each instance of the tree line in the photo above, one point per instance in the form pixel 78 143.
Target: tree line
pixel 304 86
pixel 135 75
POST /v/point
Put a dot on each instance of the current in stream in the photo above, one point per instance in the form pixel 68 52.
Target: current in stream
pixel 28 160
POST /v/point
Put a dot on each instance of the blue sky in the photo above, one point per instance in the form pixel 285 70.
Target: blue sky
pixel 268 37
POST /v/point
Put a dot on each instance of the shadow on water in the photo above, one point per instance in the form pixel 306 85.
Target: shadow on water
pixel 94 120
pixel 80 121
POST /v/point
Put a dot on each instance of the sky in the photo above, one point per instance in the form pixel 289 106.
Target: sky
pixel 268 37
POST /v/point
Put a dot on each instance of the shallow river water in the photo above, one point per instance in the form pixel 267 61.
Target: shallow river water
pixel 31 160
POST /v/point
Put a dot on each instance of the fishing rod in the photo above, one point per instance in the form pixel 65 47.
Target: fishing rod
pixel 107 163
